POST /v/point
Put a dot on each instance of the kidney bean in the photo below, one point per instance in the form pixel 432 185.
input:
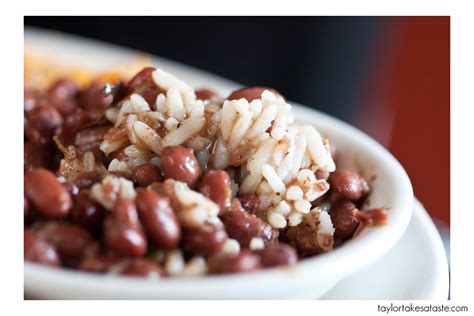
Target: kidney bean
pixel 87 179
pixel 243 226
pixel 48 196
pixel 249 202
pixel 252 93
pixel 144 85
pixel 75 121
pixel 145 174
pixel 143 268
pixel 70 240
pixel 216 185
pixel 179 163
pixel 38 250
pixel 205 94
pixel 322 174
pixel 123 232
pixel 347 185
pixel 36 157
pixel 343 219
pixel 96 261
pixel 277 254
pixel 204 240
pixel 87 212
pixel 89 139
pixel 92 98
pixel 158 218
pixel 244 261
pixel 62 95
pixel 306 241
pixel 41 124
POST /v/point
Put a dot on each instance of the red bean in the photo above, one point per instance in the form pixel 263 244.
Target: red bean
pixel 216 185
pixel 30 99
pixel 93 99
pixel 143 268
pixel 205 94
pixel 322 174
pixel 306 240
pixel 145 174
pixel 87 212
pixel 277 254
pixel 252 93
pixel 38 250
pixel 41 125
pixel 48 196
pixel 245 261
pixel 347 185
pixel 249 202
pixel 243 226
pixel 26 207
pixel 144 85
pixel 36 157
pixel 94 261
pixel 204 240
pixel 123 232
pixel 87 179
pixel 71 240
pixel 62 95
pixel 158 218
pixel 179 163
pixel 75 121
pixel 343 219
pixel 89 139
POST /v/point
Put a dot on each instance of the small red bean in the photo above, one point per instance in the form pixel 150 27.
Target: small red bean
pixel 62 95
pixel 145 174
pixel 94 261
pixel 306 240
pixel 144 85
pixel 75 121
pixel 277 254
pixel 87 179
pixel 71 240
pixel 48 196
pixel 244 261
pixel 123 232
pixel 322 174
pixel 41 125
pixel 343 219
pixel 216 185
pixel 93 99
pixel 158 218
pixel 36 249
pixel 347 185
pixel 179 163
pixel 143 268
pixel 249 202
pixel 89 139
pixel 87 212
pixel 36 157
pixel 205 94
pixel 243 226
pixel 204 240
pixel 252 93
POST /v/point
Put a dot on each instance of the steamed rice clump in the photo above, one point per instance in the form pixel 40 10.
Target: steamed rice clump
pixel 257 142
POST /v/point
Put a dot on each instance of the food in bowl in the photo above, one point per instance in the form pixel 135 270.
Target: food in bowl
pixel 151 178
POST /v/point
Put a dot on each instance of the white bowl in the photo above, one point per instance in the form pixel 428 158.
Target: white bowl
pixel 309 279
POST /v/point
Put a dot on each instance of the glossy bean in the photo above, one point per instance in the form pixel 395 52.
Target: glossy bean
pixel 277 254
pixel 87 212
pixel 243 226
pixel 179 163
pixel 252 93
pixel 143 268
pixel 204 240
pixel 38 250
pixel 244 261
pixel 216 185
pixel 145 174
pixel 347 185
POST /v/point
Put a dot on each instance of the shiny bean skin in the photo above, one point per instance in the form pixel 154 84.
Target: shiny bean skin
pixel 205 94
pixel 93 99
pixel 244 261
pixel 204 240
pixel 158 218
pixel 70 240
pixel 48 196
pixel 123 232
pixel 343 219
pixel 41 124
pixel 87 212
pixel 179 163
pixel 145 174
pixel 347 185
pixel 144 85
pixel 277 254
pixel 36 157
pixel 216 185
pixel 75 121
pixel 36 249
pixel 143 268
pixel 249 202
pixel 243 226
pixel 62 95
pixel 89 139
pixel 252 93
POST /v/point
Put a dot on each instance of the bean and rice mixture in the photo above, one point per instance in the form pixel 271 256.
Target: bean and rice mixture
pixel 151 178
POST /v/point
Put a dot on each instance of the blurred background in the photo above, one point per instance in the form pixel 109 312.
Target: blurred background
pixel 389 76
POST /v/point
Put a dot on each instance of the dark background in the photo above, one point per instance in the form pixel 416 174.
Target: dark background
pixel 389 76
